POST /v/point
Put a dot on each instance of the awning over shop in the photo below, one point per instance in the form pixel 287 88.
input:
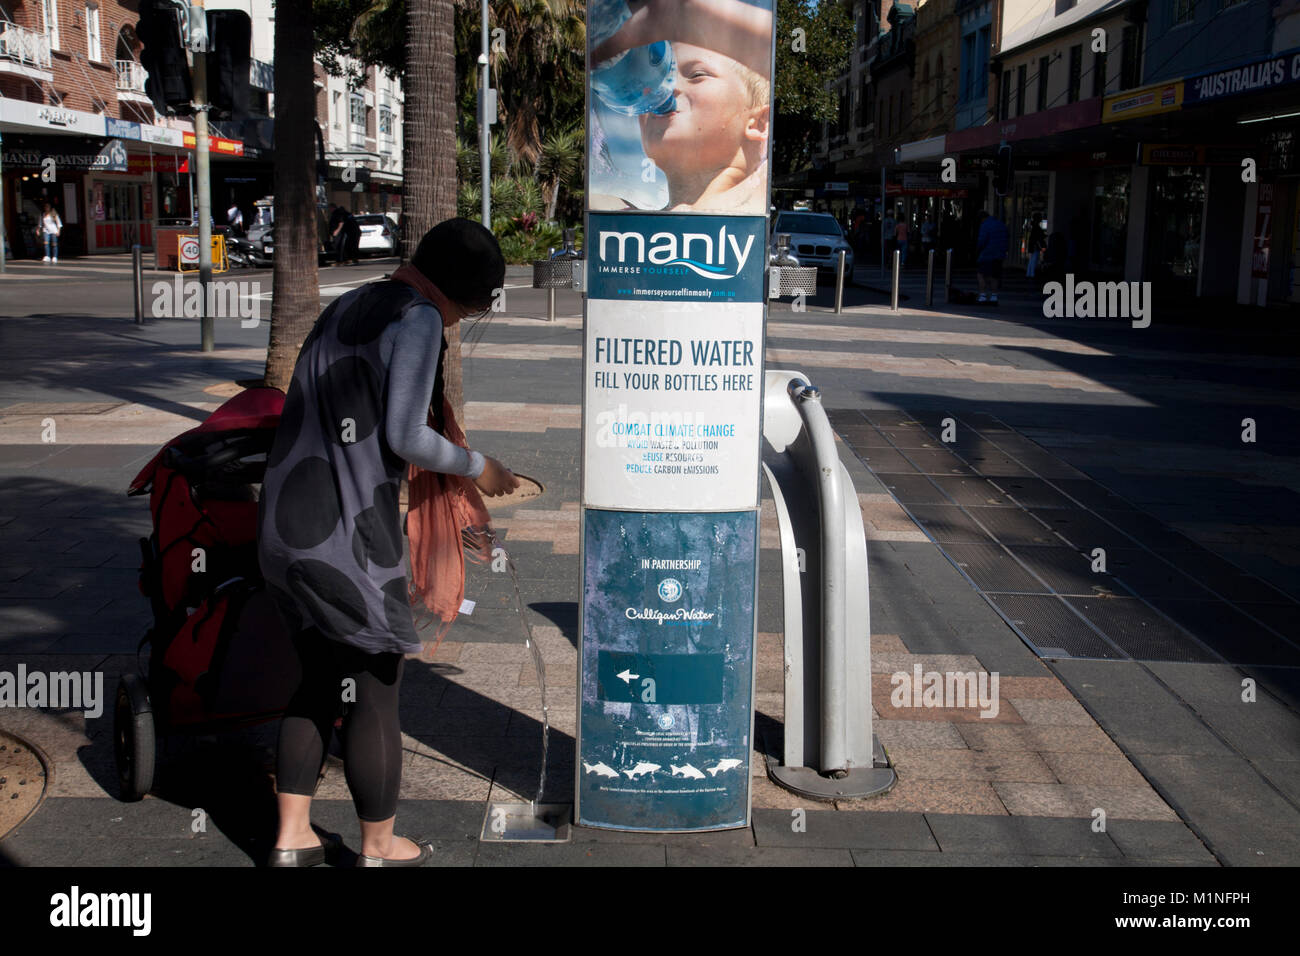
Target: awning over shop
pixel 931 148
pixel 1080 115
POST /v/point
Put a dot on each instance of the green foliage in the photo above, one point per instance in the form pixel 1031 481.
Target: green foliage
pixel 802 99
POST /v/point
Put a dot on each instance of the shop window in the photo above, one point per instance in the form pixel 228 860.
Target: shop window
pixel 1099 74
pixel 1076 72
pixel 357 110
pixel 968 67
pixel 50 18
pixel 1130 57
pixel 385 121
pixel 1021 79
pixel 982 47
pixel 1044 72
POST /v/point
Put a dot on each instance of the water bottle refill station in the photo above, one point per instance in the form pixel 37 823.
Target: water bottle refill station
pixel 675 410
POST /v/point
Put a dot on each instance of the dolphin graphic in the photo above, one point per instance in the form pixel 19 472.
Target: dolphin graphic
pixel 723 765
pixel 641 769
pixel 601 769
pixel 687 771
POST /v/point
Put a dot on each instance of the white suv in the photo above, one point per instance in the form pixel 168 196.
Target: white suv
pixel 815 239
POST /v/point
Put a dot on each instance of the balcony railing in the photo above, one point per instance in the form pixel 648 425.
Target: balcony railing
pixel 21 45
pixel 130 76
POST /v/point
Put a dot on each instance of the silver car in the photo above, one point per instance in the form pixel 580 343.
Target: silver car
pixel 815 239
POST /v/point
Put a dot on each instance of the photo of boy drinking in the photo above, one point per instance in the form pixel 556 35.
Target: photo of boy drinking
pixel 709 145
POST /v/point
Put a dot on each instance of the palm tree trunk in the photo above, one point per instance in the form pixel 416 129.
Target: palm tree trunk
pixel 295 302
pixel 429 146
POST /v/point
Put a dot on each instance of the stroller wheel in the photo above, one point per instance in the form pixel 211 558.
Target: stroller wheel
pixel 133 738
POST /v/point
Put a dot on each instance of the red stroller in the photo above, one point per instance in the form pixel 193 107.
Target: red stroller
pixel 220 657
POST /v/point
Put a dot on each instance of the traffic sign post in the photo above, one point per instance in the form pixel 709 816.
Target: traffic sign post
pixel 672 410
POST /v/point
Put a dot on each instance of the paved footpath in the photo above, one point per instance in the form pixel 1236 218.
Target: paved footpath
pixel 1123 735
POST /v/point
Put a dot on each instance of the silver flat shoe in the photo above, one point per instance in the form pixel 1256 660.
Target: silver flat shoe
pixel 331 843
pixel 426 853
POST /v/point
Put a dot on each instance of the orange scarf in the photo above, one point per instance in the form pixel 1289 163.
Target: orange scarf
pixel 446 517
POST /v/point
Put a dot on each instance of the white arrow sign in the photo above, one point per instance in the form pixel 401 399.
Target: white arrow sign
pixel 627 676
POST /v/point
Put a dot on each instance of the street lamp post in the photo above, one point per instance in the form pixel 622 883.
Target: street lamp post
pixel 484 129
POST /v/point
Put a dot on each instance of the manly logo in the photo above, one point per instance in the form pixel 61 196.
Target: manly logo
pixel 675 257
pixel 713 257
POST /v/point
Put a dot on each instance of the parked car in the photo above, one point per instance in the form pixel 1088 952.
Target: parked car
pixel 378 235
pixel 816 239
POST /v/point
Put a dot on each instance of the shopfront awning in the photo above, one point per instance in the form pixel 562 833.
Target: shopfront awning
pixel 1075 116
pixel 921 149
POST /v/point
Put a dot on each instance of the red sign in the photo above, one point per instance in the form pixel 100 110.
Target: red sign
pixel 216 144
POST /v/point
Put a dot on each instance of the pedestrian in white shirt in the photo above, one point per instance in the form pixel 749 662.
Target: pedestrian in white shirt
pixel 51 226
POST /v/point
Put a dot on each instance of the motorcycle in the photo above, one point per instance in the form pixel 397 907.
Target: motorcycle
pixel 241 253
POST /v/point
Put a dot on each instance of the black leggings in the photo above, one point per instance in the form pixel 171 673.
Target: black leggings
pixel 372 738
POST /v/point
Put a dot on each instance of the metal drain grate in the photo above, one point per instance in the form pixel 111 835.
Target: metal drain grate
pixel 1141 632
pixel 1082 529
pixel 1032 492
pixel 1051 628
pixel 913 489
pixel 992 569
pixel 1067 571
pixel 948 524
pixel 973 491
pixel 1231 633
pixel 1152 578
pixel 886 461
pixel 935 462
pixel 1013 526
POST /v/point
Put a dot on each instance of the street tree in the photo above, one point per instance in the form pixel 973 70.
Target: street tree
pixel 814 41
pixel 295 302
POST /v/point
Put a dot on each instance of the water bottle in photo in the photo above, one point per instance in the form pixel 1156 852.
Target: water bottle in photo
pixel 635 81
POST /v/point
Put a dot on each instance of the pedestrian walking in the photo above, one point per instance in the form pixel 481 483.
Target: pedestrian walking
pixel 1037 245
pixel 351 239
pixel 902 234
pixel 990 250
pixel 338 238
pixel 50 228
pixel 330 538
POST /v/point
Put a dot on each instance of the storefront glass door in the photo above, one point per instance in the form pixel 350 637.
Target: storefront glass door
pixel 1174 252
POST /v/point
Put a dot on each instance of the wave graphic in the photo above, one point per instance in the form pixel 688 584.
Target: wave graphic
pixel 704 269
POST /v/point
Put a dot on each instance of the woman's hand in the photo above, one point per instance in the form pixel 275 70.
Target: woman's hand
pixel 496 478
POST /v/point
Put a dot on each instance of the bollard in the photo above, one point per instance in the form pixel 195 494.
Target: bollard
pixel 550 304
pixel 839 284
pixel 947 277
pixel 137 282
pixel 893 294
pixel 929 279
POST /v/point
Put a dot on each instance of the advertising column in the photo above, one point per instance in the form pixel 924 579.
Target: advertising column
pixel 679 101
